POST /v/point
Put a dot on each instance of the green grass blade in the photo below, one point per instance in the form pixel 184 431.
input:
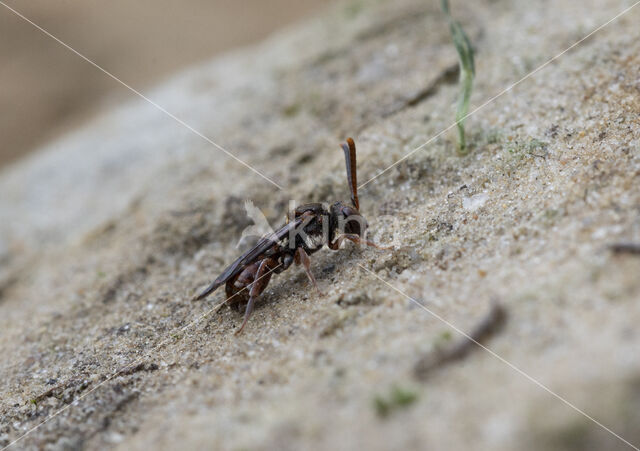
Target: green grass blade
pixel 467 72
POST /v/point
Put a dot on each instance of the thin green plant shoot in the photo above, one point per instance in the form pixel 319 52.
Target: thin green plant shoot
pixel 467 72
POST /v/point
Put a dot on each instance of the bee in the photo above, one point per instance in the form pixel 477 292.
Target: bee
pixel 308 229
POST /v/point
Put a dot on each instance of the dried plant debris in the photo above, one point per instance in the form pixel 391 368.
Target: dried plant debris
pixel 65 391
pixel 442 355
pixel 6 285
pixel 625 248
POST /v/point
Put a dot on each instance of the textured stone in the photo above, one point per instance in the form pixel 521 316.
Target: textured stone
pixel 107 233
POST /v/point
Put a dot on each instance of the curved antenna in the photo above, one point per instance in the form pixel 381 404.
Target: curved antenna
pixel 350 159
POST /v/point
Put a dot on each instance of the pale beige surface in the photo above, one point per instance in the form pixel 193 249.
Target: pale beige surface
pixel 104 249
pixel 46 90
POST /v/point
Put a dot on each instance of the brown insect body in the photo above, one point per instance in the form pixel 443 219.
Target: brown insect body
pixel 312 226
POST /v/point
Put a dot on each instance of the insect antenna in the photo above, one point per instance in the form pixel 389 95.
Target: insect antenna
pixel 349 148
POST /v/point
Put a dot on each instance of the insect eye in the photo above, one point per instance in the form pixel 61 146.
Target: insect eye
pixel 349 211
pixel 353 221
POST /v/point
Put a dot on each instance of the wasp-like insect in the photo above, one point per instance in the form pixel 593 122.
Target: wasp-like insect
pixel 309 227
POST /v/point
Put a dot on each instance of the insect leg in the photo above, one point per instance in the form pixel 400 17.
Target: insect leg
pixel 356 239
pixel 237 287
pixel 235 295
pixel 302 257
pixel 260 282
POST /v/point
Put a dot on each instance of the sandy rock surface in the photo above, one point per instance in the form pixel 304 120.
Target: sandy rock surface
pixel 107 234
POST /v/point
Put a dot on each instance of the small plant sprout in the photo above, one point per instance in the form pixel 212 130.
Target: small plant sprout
pixel 398 398
pixel 467 72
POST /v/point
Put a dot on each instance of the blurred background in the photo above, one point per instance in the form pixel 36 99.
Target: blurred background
pixel 45 89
